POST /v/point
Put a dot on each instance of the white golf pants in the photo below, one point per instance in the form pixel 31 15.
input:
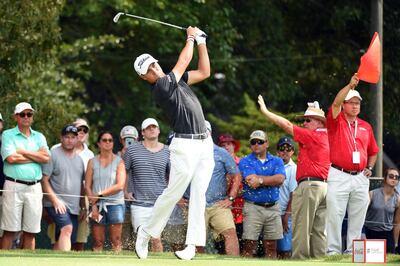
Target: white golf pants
pixel 192 162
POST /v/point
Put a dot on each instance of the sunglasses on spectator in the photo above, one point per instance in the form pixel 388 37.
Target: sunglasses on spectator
pixel 392 176
pixel 308 120
pixel 22 115
pixel 285 148
pixel 257 141
pixel 107 140
pixel 84 129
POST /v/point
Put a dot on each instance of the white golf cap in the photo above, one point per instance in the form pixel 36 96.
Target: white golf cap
pixel 148 122
pixel 143 62
pixel 129 132
pixel 351 94
pixel 22 106
pixel 1 117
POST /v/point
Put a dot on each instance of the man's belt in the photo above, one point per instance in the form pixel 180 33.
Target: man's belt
pixel 191 136
pixel 29 183
pixel 320 179
pixel 344 170
pixel 266 205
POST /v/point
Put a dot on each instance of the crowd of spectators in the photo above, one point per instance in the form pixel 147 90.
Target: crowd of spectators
pixel 254 204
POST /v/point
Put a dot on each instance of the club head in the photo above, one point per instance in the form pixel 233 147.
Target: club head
pixel 116 18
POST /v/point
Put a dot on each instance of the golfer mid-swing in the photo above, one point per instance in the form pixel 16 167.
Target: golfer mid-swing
pixel 191 150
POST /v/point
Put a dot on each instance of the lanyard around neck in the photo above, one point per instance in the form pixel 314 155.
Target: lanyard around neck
pixel 353 136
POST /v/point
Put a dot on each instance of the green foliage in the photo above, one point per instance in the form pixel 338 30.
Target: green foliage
pixel 70 58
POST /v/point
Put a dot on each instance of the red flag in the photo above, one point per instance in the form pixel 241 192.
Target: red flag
pixel 370 66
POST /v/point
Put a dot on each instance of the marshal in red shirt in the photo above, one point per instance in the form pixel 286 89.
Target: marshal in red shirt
pixel 342 143
pixel 313 160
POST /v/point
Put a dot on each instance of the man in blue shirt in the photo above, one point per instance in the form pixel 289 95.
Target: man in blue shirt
pixel 262 174
pixel 219 198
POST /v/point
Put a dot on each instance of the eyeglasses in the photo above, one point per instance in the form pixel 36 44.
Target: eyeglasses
pixel 392 176
pixel 22 115
pixel 307 120
pixel 285 148
pixel 257 141
pixel 84 129
pixel 107 140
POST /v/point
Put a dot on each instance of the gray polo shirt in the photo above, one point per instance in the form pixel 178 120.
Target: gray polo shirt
pixel 66 176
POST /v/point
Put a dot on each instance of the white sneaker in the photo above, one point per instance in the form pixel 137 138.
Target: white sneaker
pixel 142 243
pixel 187 254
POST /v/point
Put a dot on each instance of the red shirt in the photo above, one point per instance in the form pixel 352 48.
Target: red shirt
pixel 313 160
pixel 341 141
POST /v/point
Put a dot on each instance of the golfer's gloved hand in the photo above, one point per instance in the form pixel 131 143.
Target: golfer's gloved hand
pixel 200 37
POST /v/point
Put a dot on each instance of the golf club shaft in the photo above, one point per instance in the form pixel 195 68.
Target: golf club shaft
pixel 156 21
pixel 152 20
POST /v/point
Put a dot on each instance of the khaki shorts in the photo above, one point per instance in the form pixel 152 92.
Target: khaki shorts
pixel 219 219
pixel 22 207
pixel 258 219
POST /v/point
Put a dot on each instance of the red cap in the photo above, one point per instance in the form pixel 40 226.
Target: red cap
pixel 228 138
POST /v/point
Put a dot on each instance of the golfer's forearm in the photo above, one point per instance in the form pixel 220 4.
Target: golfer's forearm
pixel 203 65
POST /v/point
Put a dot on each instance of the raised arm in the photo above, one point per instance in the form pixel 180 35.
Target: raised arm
pixel 274 118
pixel 341 95
pixel 186 54
pixel 203 66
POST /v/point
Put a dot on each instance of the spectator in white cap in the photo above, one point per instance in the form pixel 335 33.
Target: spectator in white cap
pixel 127 137
pixel 23 150
pixel 309 198
pixel 147 163
pixel 353 153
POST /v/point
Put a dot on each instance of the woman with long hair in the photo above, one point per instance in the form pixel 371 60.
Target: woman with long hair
pixel 383 215
pixel 104 184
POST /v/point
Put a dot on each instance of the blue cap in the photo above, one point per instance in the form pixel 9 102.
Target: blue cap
pixel 285 140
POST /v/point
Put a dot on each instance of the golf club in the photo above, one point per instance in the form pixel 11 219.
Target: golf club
pixel 117 16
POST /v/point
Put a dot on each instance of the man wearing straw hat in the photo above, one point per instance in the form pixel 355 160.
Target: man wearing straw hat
pixel 309 198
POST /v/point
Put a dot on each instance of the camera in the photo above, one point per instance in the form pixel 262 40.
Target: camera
pixel 129 141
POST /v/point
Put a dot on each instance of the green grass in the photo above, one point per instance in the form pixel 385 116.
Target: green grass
pixel 52 258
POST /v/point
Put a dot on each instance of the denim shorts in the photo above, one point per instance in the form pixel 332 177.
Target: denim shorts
pixel 115 214
pixel 62 220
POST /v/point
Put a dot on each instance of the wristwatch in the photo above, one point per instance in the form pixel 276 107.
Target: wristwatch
pixel 230 198
pixel 370 168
